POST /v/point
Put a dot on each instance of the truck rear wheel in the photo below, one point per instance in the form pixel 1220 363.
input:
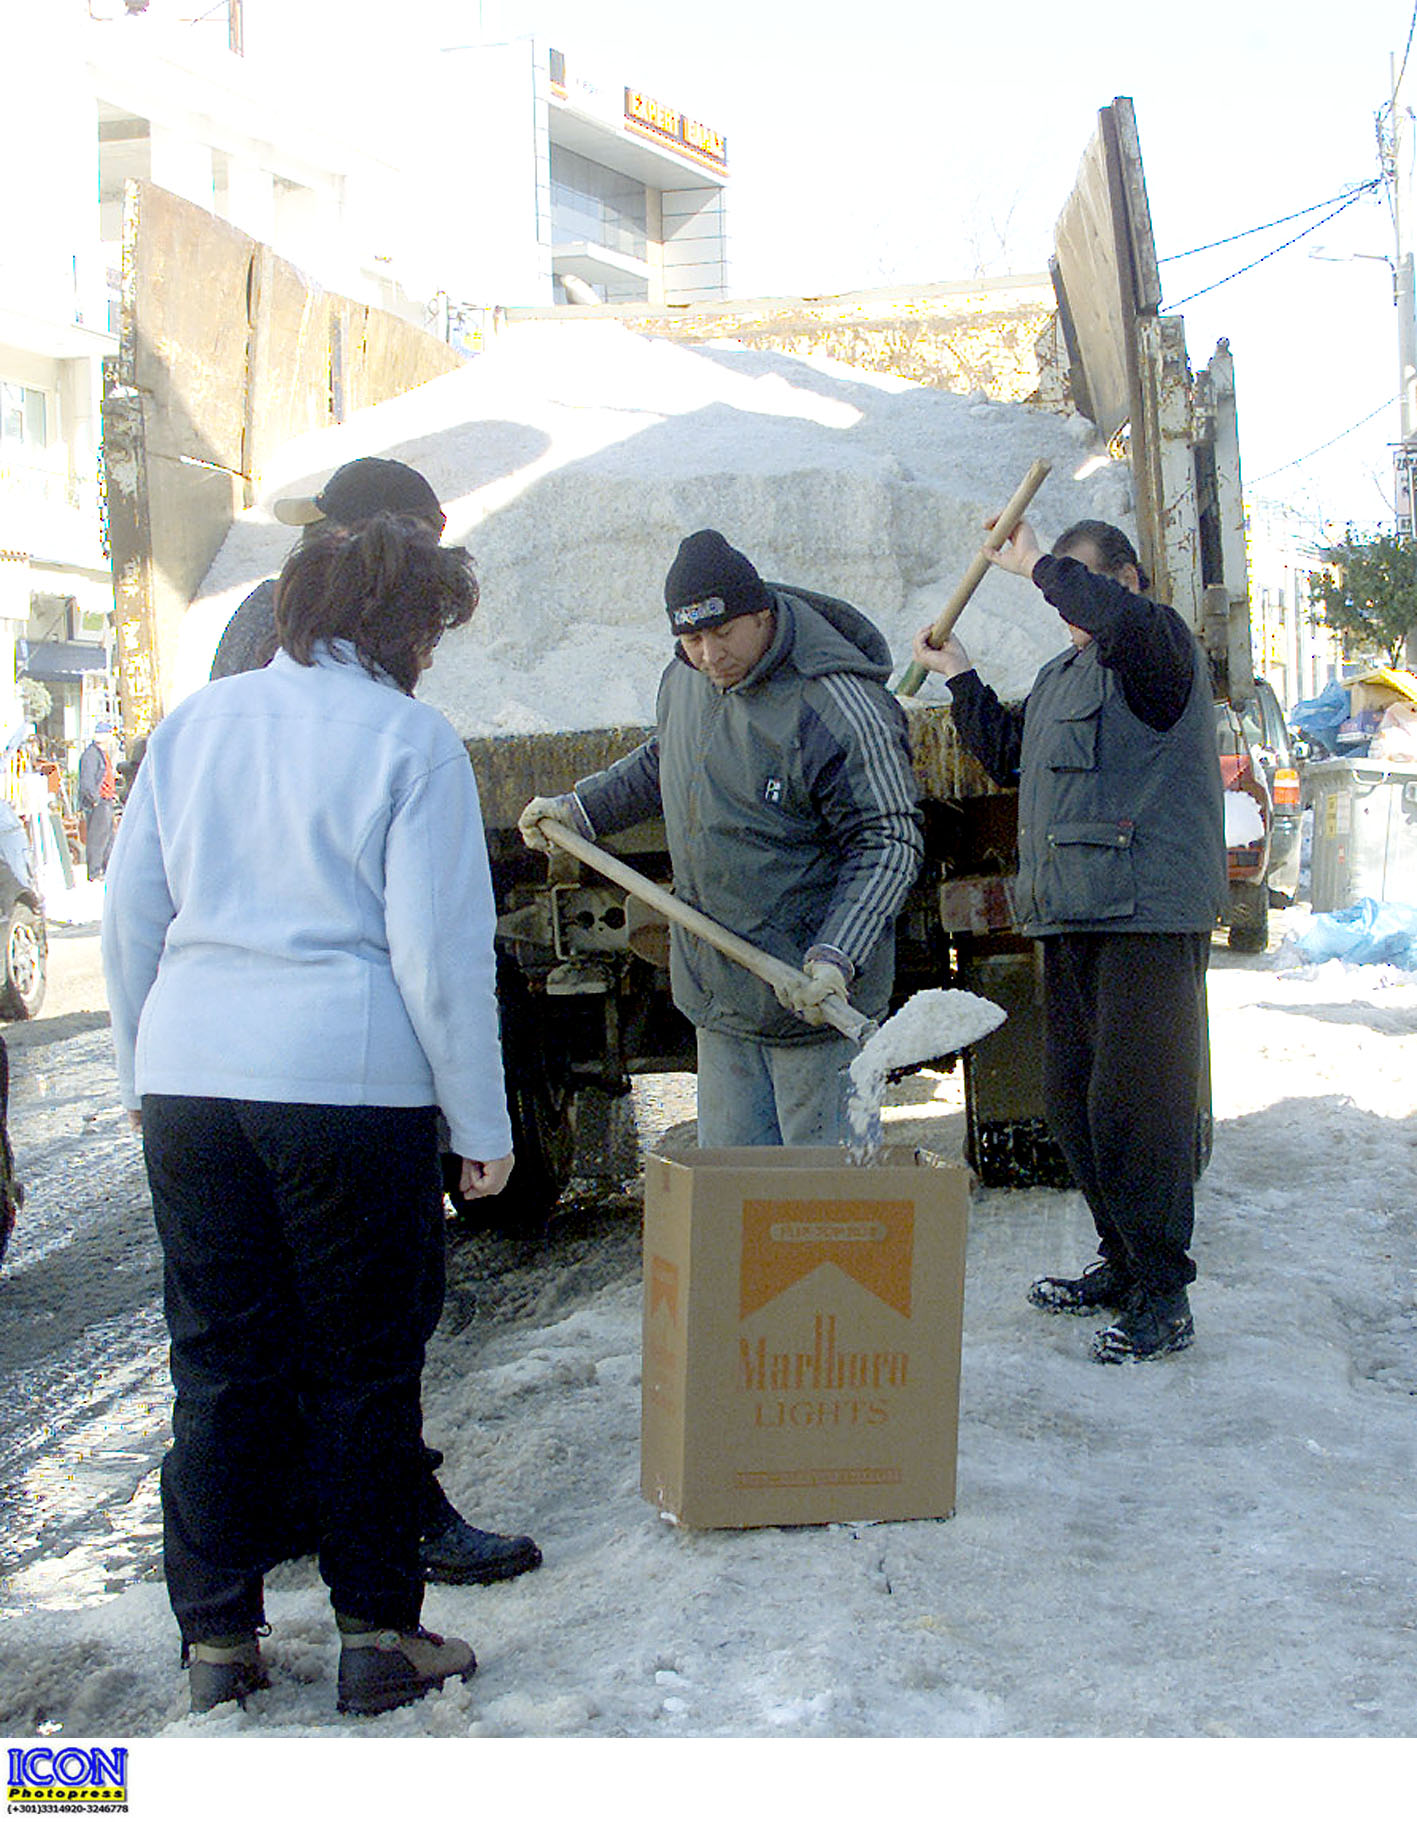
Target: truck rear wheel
pixel 542 1104
pixel 1249 918
pixel 1013 1154
pixel 607 1139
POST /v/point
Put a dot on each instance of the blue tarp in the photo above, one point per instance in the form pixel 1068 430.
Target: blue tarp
pixel 1320 717
pixel 1365 932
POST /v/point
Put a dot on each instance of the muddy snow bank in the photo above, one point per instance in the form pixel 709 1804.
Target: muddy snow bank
pixel 1215 1544
pixel 573 458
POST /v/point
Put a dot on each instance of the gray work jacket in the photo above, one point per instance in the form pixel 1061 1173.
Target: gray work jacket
pixel 790 813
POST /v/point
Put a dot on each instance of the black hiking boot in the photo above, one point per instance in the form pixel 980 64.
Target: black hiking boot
pixel 460 1553
pixel 1153 1323
pixel 1103 1286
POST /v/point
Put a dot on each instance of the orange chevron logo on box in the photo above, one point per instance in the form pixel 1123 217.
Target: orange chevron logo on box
pixel 783 1242
pixel 664 1287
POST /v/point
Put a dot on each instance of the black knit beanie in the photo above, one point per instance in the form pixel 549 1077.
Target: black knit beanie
pixel 709 582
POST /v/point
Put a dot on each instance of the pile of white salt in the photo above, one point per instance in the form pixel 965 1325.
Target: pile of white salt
pixel 572 457
pixel 934 1023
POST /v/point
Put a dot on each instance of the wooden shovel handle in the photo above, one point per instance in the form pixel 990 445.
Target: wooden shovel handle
pixel 1003 529
pixel 835 1009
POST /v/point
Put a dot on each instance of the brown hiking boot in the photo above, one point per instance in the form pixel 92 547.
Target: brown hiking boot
pixel 224 1673
pixel 384 1669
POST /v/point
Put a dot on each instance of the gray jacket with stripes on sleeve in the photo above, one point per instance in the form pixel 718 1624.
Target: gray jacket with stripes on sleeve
pixel 790 812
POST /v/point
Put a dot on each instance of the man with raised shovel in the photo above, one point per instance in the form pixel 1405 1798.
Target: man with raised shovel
pixel 781 766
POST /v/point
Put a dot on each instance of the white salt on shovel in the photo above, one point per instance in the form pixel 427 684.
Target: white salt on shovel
pixel 929 1025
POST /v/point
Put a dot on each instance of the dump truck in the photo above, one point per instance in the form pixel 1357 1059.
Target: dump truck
pixel 582 967
pixel 584 971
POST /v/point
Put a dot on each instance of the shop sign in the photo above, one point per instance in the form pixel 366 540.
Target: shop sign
pixel 691 138
pixel 1404 461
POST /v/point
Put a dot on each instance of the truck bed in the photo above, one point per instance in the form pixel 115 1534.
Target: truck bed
pixel 511 769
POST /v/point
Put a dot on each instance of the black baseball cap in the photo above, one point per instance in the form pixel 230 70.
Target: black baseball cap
pixel 359 490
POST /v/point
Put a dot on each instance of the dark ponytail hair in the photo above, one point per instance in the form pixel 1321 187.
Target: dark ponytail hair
pixel 387 585
pixel 1113 547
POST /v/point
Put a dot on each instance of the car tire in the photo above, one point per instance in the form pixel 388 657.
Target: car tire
pixel 1249 919
pixel 22 989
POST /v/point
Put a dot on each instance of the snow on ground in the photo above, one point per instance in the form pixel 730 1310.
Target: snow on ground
pixel 81 903
pixel 1220 1544
pixel 572 458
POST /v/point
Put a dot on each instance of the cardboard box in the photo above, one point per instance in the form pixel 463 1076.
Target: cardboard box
pixel 802 1320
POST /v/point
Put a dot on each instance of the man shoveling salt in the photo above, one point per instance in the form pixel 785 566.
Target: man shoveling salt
pixel 930 1024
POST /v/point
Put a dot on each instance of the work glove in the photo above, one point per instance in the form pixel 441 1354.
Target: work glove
pixel 805 997
pixel 549 809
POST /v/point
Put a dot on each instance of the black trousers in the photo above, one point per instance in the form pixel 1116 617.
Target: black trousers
pixel 98 837
pixel 1121 1064
pixel 303 1274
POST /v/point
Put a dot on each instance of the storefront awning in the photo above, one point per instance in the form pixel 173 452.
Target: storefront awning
pixel 57 661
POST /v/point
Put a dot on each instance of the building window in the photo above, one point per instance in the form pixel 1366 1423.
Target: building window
pixel 24 421
pixel 591 203
pixel 24 440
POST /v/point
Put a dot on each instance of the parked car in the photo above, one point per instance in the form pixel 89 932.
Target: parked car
pixel 1273 746
pixel 1257 758
pixel 1247 861
pixel 26 946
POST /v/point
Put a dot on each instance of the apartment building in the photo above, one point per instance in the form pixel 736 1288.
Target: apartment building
pixel 473 175
pixel 1297 655
pixel 112 90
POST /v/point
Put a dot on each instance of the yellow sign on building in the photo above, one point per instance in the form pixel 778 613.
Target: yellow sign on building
pixel 658 121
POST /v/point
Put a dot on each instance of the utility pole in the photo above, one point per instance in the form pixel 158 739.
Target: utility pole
pixel 1393 141
pixel 1400 175
pixel 1394 151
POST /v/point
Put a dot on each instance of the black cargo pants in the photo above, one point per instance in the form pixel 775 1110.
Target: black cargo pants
pixel 1121 1066
pixel 303 1258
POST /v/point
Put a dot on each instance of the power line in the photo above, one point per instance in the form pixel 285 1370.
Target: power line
pixel 1387 131
pixel 1328 445
pixel 1312 228
pixel 1282 221
pixel 1407 51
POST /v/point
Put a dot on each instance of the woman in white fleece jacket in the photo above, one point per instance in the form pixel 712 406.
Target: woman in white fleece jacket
pixel 298 947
